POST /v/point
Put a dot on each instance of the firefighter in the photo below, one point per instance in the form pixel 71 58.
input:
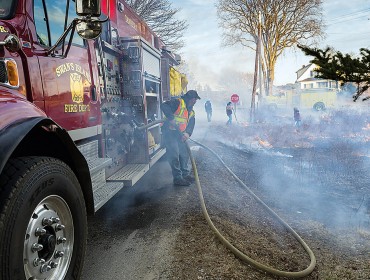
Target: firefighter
pixel 297 118
pixel 178 127
pixel 229 113
pixel 208 108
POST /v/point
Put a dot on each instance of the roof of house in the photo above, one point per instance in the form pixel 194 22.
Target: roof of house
pixel 301 71
pixel 309 80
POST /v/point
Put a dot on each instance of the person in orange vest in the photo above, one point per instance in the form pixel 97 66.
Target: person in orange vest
pixel 178 127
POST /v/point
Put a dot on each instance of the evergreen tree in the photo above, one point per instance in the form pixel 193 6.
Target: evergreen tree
pixel 343 68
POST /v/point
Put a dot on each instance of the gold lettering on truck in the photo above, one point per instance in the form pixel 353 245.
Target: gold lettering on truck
pixel 72 67
pixel 130 22
pixel 79 81
pixel 3 30
pixel 70 108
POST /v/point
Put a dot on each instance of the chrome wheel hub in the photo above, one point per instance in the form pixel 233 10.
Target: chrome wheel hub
pixel 49 239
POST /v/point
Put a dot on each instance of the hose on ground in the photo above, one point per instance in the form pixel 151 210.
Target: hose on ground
pixel 237 252
pixel 232 248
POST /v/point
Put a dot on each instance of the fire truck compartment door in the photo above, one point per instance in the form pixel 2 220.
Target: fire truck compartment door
pixel 151 63
pixel 69 86
pixel 175 82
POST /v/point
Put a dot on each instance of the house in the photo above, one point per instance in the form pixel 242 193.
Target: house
pixel 306 79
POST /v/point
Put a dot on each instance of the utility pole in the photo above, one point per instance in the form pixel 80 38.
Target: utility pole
pixel 260 93
pixel 256 63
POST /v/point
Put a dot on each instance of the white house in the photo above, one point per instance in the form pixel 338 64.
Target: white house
pixel 306 79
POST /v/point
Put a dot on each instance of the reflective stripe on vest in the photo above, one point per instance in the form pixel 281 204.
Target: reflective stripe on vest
pixel 182 116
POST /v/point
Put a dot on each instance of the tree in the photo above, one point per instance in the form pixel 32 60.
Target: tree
pixel 160 17
pixel 343 68
pixel 284 24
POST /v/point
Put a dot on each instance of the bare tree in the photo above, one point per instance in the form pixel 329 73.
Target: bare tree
pixel 160 17
pixel 285 23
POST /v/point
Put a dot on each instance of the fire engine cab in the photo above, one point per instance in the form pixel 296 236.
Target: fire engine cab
pixel 77 77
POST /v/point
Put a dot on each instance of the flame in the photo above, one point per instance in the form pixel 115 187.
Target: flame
pixel 367 127
pixel 265 144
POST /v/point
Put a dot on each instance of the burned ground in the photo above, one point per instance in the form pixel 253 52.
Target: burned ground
pixel 316 179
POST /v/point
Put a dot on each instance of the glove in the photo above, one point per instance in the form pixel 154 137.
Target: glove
pixel 172 125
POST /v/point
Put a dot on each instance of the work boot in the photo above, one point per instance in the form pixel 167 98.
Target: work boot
pixel 189 178
pixel 181 182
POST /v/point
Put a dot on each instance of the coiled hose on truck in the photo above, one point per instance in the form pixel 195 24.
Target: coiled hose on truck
pixel 232 248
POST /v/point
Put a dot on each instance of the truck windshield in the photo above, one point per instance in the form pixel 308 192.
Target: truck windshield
pixel 7 8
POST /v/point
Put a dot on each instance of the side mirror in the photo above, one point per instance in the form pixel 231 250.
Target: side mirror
pixel 89 29
pixel 89 26
pixel 88 8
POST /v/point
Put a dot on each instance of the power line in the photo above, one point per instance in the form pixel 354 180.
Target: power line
pixel 341 33
pixel 349 19
pixel 350 14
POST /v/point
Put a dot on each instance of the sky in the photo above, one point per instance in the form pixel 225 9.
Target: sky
pixel 348 30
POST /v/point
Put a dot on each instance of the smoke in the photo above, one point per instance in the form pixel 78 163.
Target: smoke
pixel 318 172
pixel 129 209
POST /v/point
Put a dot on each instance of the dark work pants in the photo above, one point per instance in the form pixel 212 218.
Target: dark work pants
pixel 230 120
pixel 209 115
pixel 176 153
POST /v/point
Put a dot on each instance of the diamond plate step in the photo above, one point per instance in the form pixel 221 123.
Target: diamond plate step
pixel 96 164
pixel 89 150
pixel 106 192
pixel 98 180
pixel 129 174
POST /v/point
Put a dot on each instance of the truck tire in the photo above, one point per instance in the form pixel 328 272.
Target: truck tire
pixel 43 222
pixel 319 106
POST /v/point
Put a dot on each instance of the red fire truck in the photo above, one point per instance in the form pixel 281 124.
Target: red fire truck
pixel 69 108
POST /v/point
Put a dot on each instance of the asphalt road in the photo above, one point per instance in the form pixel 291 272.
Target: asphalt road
pixel 131 237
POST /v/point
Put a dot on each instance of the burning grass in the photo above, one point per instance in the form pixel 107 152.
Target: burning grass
pixel 316 178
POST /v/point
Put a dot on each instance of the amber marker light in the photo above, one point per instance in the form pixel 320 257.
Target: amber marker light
pixel 13 77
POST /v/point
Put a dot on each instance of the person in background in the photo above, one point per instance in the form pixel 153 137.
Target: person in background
pixel 229 113
pixel 178 127
pixel 208 108
pixel 297 118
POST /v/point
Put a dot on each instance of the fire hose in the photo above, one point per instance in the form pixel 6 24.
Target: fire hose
pixel 232 248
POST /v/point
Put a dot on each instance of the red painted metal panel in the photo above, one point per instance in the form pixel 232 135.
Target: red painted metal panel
pixel 68 86
pixel 113 10
pixel 131 25
pixel 104 7
pixel 13 108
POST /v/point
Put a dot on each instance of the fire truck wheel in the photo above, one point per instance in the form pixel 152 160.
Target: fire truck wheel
pixel 319 106
pixel 43 224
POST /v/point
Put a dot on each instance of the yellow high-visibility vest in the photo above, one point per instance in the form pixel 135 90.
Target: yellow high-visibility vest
pixel 182 116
